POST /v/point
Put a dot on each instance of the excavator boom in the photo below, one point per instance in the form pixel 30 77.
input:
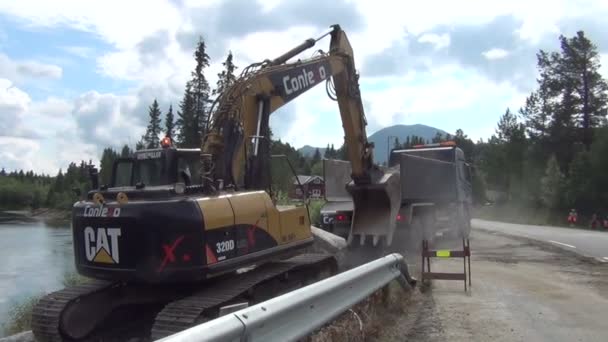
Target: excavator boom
pixel 236 147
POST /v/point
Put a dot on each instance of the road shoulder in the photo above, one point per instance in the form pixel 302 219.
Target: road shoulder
pixel 522 291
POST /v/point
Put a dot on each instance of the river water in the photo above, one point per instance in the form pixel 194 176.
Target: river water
pixel 34 257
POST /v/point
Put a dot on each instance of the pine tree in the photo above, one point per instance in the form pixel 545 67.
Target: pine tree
pixel 140 145
pixel 186 123
pixel 125 152
pixel 194 107
pixel 225 78
pixel 2 173
pixel 327 153
pixel 551 184
pixel 438 137
pixel 58 185
pixel 317 169
pixel 200 91
pixel 509 147
pixel 107 161
pixel 599 165
pixel 536 115
pixel 316 157
pixel 579 185
pixel 407 144
pixel 342 153
pixel 151 137
pixel 580 67
pixel 396 144
pixel 507 127
pixel 169 122
pixel 464 143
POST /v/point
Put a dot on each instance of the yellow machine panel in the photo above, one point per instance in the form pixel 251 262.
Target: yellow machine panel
pixel 295 224
pixel 249 209
pixel 274 222
pixel 217 212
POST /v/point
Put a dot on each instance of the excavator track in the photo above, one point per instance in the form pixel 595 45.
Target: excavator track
pixel 89 310
pixel 46 315
pixel 187 312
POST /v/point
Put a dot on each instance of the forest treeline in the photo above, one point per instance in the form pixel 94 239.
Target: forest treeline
pixel 549 155
pixel 552 154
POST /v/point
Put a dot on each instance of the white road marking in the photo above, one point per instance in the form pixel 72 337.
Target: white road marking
pixel 563 244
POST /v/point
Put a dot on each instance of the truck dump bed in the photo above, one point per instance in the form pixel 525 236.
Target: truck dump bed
pixel 427 180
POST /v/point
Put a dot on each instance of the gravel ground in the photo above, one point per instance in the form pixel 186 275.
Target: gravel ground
pixel 522 291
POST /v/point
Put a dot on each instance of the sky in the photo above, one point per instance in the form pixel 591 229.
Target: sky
pixel 78 76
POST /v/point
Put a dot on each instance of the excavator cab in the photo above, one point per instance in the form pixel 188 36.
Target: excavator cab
pixel 156 167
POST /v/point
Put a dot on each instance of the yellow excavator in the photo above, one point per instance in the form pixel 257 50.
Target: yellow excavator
pixel 179 236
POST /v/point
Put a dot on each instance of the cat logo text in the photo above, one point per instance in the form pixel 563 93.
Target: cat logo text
pixel 101 245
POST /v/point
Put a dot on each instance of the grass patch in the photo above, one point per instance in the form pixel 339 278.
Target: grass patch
pixel 365 320
pixel 314 210
pixel 20 314
pixel 73 278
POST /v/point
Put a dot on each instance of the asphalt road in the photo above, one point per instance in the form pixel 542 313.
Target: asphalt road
pixel 522 290
pixel 589 243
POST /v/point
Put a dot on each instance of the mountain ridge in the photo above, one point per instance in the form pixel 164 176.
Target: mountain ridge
pixel 380 138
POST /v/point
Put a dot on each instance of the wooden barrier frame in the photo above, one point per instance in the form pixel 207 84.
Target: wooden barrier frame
pixel 465 254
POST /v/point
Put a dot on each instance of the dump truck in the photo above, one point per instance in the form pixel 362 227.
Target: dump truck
pixel 436 191
pixel 436 194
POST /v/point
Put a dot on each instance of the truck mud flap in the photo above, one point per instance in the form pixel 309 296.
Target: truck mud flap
pixel 376 207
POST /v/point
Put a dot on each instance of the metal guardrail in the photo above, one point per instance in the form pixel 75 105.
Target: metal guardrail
pixel 298 313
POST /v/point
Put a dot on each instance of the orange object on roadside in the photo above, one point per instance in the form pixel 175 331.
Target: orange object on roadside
pixel 572 216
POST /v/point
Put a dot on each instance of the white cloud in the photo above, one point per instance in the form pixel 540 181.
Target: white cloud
pixel 80 51
pixel 14 103
pixel 105 119
pixel 122 23
pixel 48 135
pixel 450 97
pixel 19 153
pixel 18 71
pixel 439 41
pixel 495 53
pixel 147 52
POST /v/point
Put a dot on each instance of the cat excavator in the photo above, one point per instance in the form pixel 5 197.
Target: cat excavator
pixel 179 235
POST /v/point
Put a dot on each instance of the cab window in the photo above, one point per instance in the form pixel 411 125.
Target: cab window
pixel 188 169
pixel 124 170
pixel 150 171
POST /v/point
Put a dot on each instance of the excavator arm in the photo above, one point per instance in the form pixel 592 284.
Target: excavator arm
pixel 238 131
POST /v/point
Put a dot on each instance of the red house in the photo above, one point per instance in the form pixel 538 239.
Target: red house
pixel 314 186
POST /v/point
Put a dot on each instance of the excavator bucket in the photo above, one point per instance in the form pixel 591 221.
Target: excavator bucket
pixel 376 206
